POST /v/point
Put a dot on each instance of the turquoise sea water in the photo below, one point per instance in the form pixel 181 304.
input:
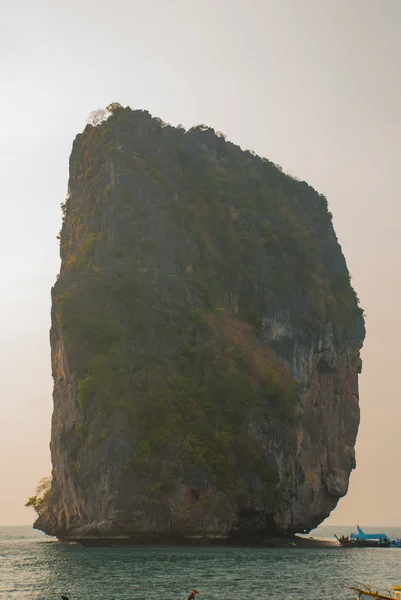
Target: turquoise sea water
pixel 33 566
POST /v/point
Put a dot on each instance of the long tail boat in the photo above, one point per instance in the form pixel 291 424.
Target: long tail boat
pixel 367 540
pixel 369 594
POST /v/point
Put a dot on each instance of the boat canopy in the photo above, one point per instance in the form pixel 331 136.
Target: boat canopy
pixel 361 535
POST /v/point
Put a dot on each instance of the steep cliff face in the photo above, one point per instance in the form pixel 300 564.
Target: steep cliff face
pixel 205 342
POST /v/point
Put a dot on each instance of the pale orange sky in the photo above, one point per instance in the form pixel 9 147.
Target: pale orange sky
pixel 314 86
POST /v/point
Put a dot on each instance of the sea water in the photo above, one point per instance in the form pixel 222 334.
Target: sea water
pixel 34 566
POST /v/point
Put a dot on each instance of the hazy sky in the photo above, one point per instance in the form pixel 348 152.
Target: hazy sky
pixel 314 85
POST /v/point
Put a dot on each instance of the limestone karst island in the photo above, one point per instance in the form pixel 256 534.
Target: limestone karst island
pixel 205 343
